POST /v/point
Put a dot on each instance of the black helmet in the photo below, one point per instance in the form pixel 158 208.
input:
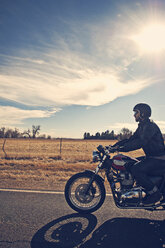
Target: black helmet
pixel 144 109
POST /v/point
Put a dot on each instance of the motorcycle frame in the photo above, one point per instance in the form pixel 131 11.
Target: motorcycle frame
pixel 111 183
pixel 139 204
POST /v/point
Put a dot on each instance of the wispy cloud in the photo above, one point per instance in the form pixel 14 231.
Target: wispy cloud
pixel 9 58
pixel 93 72
pixel 11 116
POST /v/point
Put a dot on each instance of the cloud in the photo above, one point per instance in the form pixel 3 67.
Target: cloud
pixel 11 116
pixel 91 89
pixel 64 80
pixel 93 72
pixel 9 58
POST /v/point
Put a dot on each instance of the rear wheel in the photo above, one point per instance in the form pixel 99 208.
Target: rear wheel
pixel 81 200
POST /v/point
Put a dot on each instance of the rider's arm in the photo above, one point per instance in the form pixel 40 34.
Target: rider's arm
pixel 133 143
pixel 122 142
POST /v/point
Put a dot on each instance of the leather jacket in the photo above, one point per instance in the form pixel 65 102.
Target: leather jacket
pixel 148 137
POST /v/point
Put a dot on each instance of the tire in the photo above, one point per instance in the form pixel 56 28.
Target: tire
pixel 80 202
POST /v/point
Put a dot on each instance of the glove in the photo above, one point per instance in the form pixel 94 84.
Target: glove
pixel 113 148
pixel 121 149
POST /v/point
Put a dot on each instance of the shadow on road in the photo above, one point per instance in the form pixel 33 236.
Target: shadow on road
pixel 67 231
pixel 128 233
pixel 75 230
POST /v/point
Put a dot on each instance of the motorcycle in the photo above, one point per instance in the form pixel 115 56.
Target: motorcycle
pixel 85 191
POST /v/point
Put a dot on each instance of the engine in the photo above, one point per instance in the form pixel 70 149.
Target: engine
pixel 126 180
pixel 127 191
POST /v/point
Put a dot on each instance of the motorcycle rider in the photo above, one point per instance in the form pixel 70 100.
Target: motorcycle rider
pixel 148 137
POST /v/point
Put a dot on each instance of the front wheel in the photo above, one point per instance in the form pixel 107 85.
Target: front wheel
pixel 82 198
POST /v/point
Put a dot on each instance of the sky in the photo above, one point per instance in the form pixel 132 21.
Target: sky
pixel 76 66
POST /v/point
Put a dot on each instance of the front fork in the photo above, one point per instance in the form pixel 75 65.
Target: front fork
pixel 89 184
pixel 94 174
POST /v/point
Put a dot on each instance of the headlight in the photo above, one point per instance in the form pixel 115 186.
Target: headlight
pixel 96 157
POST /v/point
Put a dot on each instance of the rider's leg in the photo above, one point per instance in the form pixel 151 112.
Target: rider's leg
pixel 141 172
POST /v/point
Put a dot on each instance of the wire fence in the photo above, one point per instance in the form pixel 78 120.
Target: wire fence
pixel 55 148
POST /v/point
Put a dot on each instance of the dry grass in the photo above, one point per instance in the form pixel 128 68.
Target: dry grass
pixel 38 164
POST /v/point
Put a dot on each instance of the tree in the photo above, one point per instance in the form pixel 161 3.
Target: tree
pixel 88 136
pixel 28 133
pixel 2 132
pixel 32 133
pixel 125 133
pixel 97 135
pixel 8 133
pixel 35 130
pixel 102 135
pixel 85 135
pixel 15 133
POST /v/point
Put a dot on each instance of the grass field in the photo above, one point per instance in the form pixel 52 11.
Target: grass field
pixel 40 164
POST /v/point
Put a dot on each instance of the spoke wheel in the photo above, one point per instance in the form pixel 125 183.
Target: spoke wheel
pixel 82 199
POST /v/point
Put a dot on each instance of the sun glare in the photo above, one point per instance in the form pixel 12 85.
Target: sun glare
pixel 151 39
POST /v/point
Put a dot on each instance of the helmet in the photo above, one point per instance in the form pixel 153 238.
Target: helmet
pixel 144 109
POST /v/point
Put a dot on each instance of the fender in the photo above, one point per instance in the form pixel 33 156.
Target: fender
pixel 90 173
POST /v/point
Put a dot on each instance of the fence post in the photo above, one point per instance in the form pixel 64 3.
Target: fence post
pixel 3 148
pixel 60 146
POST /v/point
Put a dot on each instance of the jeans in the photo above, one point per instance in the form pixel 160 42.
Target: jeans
pixel 145 168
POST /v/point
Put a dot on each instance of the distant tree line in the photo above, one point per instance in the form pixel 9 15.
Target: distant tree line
pixel 15 133
pixel 125 133
pixel 34 133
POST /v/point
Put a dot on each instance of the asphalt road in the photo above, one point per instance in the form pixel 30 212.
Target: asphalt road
pixel 41 220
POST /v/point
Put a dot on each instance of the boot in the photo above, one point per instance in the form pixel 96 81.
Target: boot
pixel 152 197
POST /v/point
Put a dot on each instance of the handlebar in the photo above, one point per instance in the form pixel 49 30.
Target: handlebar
pixel 101 149
pixel 107 149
